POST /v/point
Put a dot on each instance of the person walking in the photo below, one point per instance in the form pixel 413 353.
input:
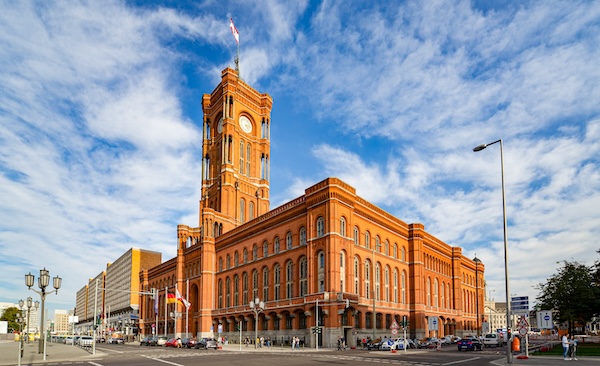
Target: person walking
pixel 565 343
pixel 573 349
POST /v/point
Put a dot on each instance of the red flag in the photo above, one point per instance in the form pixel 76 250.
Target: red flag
pixel 234 31
pixel 171 299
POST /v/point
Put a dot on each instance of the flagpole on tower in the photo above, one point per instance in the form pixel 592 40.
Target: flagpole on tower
pixel 236 35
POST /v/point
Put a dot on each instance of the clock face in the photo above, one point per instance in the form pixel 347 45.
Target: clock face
pixel 220 125
pixel 245 124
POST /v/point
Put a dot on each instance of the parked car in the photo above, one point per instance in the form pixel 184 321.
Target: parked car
pixel 86 341
pixel 147 341
pixel 161 340
pixel 69 340
pixel 116 340
pixel 189 342
pixel 374 344
pixel 386 344
pixel 470 343
pixel 400 342
pixel 493 339
pixel 429 342
pixel 172 342
pixel 206 343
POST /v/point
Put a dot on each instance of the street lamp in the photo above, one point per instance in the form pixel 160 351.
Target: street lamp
pixel 506 280
pixel 43 282
pixel 29 305
pixel 20 319
pixel 257 307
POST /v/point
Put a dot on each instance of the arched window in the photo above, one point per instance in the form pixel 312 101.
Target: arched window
pixel 356 275
pixel 289 280
pixel 320 226
pixel 254 252
pixel 265 292
pixel 236 290
pixel 403 254
pixel 343 271
pixel 367 279
pixel 356 236
pixel 302 235
pixel 403 284
pixel 220 294
pixel 242 210
pixel 227 292
pixel 435 293
pixel 236 259
pixel 242 166
pixel 343 226
pixel 395 284
pixel 248 154
pixel 395 251
pixel 377 244
pixel 254 284
pixel 277 282
pixel 276 245
pixel 220 264
pixel 386 284
pixel 245 288
pixel 377 282
pixel 303 277
pixel 251 210
pixel 428 291
pixel 228 262
pixel 367 240
pixel 288 240
pixel 386 247
pixel 265 249
pixel 321 272
pixel 245 255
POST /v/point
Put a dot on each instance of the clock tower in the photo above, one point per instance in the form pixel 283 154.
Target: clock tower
pixel 236 149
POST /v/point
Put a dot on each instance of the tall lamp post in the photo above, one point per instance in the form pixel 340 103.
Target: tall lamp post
pixel 43 282
pixel 506 278
pixel 20 319
pixel 257 307
pixel 29 305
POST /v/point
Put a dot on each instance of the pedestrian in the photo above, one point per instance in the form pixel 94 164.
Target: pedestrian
pixel 573 349
pixel 178 342
pixel 297 343
pixel 364 342
pixel 565 343
pixel 339 344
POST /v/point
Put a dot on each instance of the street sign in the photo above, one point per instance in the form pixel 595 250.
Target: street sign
pixel 523 331
pixel 433 323
pixel 544 319
pixel 394 331
pixel 520 305
pixel 395 325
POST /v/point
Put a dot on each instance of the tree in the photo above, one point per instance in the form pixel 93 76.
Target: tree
pixel 10 315
pixel 572 294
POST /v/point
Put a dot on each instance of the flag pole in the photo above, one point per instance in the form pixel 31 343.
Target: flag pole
pixel 166 310
pixel 187 309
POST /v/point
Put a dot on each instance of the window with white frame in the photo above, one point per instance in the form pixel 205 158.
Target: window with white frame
pixel 302 235
pixel 288 240
pixel 320 226
pixel 343 226
pixel 303 276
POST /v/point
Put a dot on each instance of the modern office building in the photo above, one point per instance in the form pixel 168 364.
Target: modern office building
pixel 117 298
pixel 328 262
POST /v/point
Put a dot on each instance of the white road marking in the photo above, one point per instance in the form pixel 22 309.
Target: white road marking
pixel 164 361
pixel 461 361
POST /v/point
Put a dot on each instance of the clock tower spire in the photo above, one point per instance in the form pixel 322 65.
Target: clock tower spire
pixel 236 154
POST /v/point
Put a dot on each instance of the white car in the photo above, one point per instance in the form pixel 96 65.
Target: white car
pixel 386 344
pixel 86 341
pixel 400 342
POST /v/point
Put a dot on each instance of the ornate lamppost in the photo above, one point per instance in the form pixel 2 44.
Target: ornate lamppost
pixel 257 307
pixel 30 303
pixel 20 320
pixel 43 282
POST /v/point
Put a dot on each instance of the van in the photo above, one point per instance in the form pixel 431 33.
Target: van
pixel 493 339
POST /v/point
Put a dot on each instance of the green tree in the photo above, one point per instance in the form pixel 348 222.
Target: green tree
pixel 10 315
pixel 572 294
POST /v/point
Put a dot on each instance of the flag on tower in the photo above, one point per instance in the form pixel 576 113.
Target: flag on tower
pixel 182 300
pixel 234 31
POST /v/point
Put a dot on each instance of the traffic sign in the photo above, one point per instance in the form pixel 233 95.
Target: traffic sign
pixel 523 331
pixel 394 331
pixel 395 325
pixel 433 323
pixel 523 322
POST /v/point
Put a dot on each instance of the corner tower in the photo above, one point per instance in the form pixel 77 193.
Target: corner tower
pixel 236 153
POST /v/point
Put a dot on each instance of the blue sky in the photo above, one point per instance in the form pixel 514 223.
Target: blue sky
pixel 101 123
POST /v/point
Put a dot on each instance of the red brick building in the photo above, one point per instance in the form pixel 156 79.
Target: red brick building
pixel 328 246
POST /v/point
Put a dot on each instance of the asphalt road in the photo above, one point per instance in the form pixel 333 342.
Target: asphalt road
pixel 134 355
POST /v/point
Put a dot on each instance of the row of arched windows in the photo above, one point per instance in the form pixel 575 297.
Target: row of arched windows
pixel 264 251
pixel 438 295
pixel 437 265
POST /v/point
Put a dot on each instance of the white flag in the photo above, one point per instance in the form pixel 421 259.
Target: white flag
pixel 181 299
pixel 234 31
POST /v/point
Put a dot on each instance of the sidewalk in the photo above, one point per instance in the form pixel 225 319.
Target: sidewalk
pixel 549 361
pixel 55 352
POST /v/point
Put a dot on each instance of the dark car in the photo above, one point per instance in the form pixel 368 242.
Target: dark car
pixel 189 342
pixel 206 343
pixel 374 344
pixel 470 343
pixel 146 341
